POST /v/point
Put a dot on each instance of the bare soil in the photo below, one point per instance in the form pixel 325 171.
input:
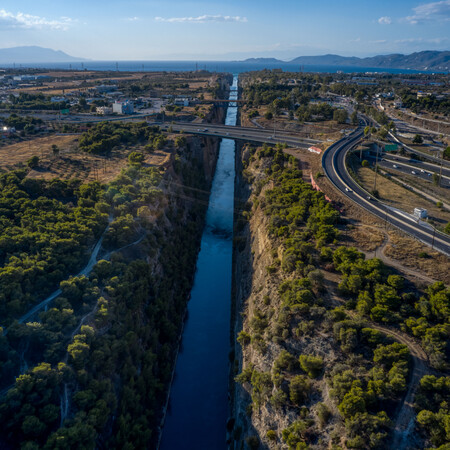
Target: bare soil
pixel 402 250
pixel 71 162
pixel 398 196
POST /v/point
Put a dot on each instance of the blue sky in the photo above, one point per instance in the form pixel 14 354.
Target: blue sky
pixel 232 29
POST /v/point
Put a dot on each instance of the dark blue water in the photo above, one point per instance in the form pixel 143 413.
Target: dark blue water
pixel 198 405
pixel 213 66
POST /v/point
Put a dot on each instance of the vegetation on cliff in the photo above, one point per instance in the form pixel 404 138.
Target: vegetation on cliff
pixel 93 369
pixel 316 370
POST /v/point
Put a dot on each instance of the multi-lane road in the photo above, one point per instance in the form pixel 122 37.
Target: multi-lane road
pixel 334 166
pixel 259 135
pixel 412 167
pixel 333 163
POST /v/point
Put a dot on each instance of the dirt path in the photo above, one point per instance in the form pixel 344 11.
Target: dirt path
pixel 379 253
pixel 86 271
pixel 404 422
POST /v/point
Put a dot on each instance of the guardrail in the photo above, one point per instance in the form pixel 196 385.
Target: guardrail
pixel 383 213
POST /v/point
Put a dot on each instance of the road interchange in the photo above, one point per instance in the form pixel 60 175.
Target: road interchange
pixel 334 166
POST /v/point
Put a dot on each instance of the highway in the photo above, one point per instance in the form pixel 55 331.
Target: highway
pixel 435 158
pixel 413 168
pixel 258 135
pixel 333 163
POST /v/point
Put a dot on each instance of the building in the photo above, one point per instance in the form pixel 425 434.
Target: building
pixel 398 104
pixel 104 110
pixel 182 101
pixel 420 213
pixel 106 88
pixel 125 107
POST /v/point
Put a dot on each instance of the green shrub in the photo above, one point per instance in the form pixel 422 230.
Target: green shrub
pixel 312 365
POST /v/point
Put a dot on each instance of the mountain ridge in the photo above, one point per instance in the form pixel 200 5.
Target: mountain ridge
pixel 34 54
pixel 424 60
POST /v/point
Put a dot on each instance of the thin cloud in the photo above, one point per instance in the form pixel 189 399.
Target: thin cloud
pixel 436 41
pixel 22 20
pixel 202 19
pixel 385 20
pixel 435 11
pixel 132 19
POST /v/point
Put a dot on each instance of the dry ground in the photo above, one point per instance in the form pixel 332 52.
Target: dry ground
pixel 72 163
pixel 369 234
pixel 399 197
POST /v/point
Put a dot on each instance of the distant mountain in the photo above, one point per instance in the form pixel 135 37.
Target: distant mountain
pixel 34 54
pixel 426 60
pixel 263 61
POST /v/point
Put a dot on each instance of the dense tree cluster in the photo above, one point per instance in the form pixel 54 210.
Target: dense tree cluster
pixel 28 101
pixel 368 376
pixel 432 404
pixel 384 297
pixel 95 366
pixel 105 136
pixel 426 103
pixel 45 232
pixel 26 123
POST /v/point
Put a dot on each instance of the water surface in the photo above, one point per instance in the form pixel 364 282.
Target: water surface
pixel 198 405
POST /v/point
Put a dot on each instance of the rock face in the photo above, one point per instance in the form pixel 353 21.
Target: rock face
pixel 296 351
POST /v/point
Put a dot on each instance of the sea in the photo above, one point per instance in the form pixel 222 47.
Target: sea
pixel 235 67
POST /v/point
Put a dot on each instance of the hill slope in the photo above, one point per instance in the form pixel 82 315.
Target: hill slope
pixel 426 60
pixel 34 54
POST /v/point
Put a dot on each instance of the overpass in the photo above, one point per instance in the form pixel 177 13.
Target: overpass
pixel 247 134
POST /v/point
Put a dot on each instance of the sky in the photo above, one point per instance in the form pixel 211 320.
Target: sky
pixel 225 30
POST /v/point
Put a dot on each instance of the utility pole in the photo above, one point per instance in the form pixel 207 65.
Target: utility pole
pixel 440 170
pixel 432 242
pixel 376 170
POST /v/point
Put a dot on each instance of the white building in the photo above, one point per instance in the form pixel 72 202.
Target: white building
pixel 420 213
pixel 104 110
pixel 125 107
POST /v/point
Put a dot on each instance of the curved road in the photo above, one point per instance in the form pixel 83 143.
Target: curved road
pixel 333 163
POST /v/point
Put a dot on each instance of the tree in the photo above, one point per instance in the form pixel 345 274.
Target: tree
pixel 447 228
pixel 340 115
pixel 353 402
pixel 55 150
pixel 446 154
pixel 417 139
pixel 136 158
pixel 312 365
pixel 382 132
pixel 33 162
pixel 354 118
pixel 299 389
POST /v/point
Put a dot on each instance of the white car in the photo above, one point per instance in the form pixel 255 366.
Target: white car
pixel 413 172
pixel 394 166
pixel 348 189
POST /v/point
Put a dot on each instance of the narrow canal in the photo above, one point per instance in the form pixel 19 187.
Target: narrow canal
pixel 198 405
